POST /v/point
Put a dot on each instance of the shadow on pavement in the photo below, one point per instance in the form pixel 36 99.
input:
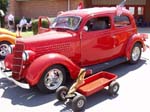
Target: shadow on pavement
pixel 19 96
pixel 125 68
pixel 144 30
pixel 103 95
pixel 120 70
pixel 33 97
pixel 92 100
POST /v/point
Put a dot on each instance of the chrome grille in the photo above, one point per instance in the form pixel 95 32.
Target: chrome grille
pixel 63 48
pixel 17 60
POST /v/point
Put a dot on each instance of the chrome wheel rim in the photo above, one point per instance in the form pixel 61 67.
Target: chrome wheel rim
pixel 63 94
pixel 53 79
pixel 136 53
pixel 4 49
pixel 115 88
pixel 80 103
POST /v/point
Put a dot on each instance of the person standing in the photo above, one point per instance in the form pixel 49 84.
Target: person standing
pixel 11 22
pixel 23 23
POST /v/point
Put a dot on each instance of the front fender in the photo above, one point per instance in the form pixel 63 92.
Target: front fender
pixel 134 39
pixel 7 32
pixel 8 61
pixel 39 65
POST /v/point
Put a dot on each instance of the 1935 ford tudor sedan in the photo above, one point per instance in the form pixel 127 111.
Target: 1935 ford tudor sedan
pixel 94 38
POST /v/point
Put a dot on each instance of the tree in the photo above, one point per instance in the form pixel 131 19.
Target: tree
pixel 3 6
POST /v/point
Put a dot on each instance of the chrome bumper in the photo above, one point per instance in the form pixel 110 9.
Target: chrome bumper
pixel 5 73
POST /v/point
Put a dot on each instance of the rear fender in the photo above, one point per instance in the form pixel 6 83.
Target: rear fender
pixel 39 65
pixel 137 38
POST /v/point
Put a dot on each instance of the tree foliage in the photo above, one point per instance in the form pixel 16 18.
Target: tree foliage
pixel 3 6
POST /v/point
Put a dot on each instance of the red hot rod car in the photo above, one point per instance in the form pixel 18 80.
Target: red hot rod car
pixel 94 38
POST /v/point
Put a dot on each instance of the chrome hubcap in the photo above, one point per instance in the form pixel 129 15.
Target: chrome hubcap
pixel 115 88
pixel 4 49
pixel 80 103
pixel 63 94
pixel 135 53
pixel 53 79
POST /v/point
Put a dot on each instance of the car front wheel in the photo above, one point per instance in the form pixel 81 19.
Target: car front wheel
pixel 52 78
pixel 135 53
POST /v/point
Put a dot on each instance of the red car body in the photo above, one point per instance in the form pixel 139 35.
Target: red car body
pixel 73 49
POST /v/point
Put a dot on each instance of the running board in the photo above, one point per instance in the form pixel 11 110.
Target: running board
pixel 99 67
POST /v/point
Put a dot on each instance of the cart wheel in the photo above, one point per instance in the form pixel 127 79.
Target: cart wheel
pixel 61 92
pixel 113 88
pixel 78 103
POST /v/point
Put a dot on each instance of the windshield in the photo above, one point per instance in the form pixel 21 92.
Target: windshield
pixel 67 22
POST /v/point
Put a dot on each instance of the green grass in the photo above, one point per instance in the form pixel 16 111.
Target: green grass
pixel 27 34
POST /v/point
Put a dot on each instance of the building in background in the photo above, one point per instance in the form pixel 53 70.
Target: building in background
pixel 35 8
pixel 139 8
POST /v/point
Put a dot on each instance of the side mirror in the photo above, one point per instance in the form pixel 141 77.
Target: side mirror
pixel 85 28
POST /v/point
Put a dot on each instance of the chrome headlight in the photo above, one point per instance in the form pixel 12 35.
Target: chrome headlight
pixel 25 56
pixel 10 49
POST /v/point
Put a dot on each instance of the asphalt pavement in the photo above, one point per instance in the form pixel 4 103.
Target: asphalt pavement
pixel 133 96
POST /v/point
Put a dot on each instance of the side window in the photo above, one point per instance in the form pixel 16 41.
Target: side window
pixel 121 21
pixel 99 23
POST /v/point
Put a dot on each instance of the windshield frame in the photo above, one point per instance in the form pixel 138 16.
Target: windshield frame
pixel 63 27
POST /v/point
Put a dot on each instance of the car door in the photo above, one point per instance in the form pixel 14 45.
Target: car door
pixel 97 43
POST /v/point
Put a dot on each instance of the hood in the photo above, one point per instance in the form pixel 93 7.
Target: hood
pixel 46 39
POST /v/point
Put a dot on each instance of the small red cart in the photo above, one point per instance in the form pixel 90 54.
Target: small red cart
pixel 86 87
